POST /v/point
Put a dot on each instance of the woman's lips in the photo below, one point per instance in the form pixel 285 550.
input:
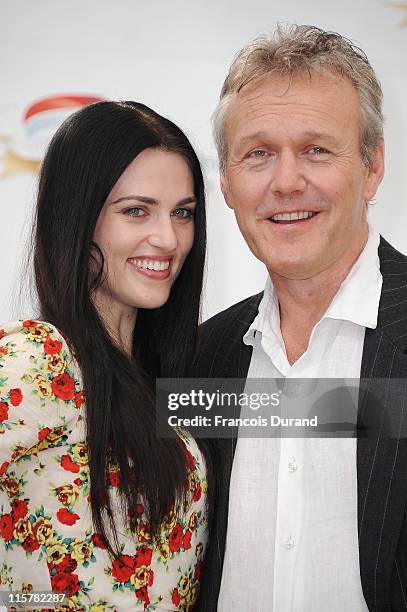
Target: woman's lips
pixel 148 272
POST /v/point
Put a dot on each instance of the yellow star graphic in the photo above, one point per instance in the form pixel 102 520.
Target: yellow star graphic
pixel 402 6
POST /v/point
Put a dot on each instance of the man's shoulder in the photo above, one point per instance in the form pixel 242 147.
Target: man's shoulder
pixel 389 254
pixel 238 315
pixel 393 266
pixel 392 316
pixel 221 350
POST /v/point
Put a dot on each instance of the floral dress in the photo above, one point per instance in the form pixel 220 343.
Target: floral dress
pixel 47 541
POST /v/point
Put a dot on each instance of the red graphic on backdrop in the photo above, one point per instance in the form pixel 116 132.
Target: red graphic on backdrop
pixel 41 119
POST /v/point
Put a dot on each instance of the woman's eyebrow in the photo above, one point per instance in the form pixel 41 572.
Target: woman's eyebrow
pixel 139 198
pixel 147 200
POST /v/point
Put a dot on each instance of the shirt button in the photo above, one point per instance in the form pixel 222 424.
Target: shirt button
pixel 289 544
pixel 292 466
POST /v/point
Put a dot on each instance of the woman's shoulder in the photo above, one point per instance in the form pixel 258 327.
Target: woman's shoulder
pixel 40 384
pixel 34 337
pixel 29 330
pixel 40 347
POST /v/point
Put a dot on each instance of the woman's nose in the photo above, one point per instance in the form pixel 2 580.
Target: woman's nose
pixel 163 234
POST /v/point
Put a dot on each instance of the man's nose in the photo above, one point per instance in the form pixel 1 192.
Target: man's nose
pixel 287 176
pixel 162 235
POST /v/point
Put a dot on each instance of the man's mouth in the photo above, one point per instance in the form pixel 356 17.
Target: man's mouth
pixel 293 217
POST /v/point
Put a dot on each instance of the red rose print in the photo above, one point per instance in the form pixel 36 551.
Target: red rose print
pixel 19 509
pixel 186 543
pixel 143 532
pixel 3 467
pixel 2 333
pixel 197 492
pixel 114 479
pixel 143 556
pixel 175 539
pixel 191 463
pixel 138 511
pixel 67 518
pixel 68 465
pixel 16 397
pixel 67 565
pixel 3 350
pixel 65 583
pixel 30 323
pixel 98 540
pixel 175 597
pixel 198 570
pixel 52 347
pixel 6 527
pixel 63 386
pixel 43 433
pixel 122 568
pixel 142 595
pixel 3 412
pixel 30 543
pixel 78 399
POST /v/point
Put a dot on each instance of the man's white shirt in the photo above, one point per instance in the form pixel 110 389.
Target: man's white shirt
pixel 292 537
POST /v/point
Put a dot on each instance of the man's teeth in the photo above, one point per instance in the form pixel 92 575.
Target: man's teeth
pixel 295 216
pixel 149 264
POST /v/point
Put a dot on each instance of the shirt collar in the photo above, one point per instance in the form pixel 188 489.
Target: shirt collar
pixel 359 295
pixel 357 299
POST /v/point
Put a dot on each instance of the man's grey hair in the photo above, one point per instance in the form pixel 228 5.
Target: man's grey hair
pixel 297 49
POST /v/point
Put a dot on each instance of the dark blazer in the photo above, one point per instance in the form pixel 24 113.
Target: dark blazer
pixel 381 463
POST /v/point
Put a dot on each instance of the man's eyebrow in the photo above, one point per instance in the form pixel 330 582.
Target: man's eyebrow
pixel 266 137
pixel 250 137
pixel 147 200
pixel 319 135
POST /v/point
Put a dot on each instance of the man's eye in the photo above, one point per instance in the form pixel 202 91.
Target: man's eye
pixel 317 150
pixel 135 212
pixel 258 154
pixel 183 213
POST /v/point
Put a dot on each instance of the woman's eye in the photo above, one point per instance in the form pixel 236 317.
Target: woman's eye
pixel 183 213
pixel 135 212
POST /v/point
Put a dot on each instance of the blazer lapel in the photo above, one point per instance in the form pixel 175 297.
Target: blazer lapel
pixel 381 462
pixel 223 355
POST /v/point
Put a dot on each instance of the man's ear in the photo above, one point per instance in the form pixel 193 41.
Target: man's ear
pixel 375 172
pixel 224 185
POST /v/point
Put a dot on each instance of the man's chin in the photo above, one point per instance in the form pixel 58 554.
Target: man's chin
pixel 292 270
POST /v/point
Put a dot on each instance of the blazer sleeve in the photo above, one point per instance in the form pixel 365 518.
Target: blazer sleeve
pixel 40 389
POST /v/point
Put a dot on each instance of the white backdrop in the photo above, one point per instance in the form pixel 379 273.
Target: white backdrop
pixel 173 56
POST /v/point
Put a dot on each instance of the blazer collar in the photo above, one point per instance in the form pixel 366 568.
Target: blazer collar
pixel 382 477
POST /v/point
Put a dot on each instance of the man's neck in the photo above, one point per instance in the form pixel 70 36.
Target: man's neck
pixel 303 303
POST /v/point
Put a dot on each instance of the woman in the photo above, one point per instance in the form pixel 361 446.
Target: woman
pixel 92 502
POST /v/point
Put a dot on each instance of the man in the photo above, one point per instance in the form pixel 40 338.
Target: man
pixel 312 524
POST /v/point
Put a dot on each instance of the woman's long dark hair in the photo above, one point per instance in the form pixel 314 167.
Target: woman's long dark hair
pixel 86 157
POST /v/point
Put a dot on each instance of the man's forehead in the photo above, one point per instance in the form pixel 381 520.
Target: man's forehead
pixel 281 83
pixel 283 89
pixel 308 97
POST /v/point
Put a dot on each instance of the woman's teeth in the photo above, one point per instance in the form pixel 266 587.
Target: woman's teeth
pixel 150 264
